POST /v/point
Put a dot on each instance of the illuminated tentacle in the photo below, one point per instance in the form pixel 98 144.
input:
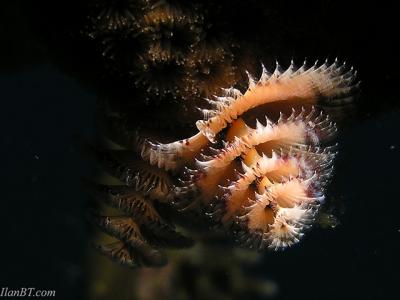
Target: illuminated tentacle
pixel 267 224
pixel 308 85
pixel 269 137
pixel 294 192
pixel 288 132
pixel 134 172
pixel 282 234
pixel 173 155
pixel 304 85
pixel 266 172
pixel 282 207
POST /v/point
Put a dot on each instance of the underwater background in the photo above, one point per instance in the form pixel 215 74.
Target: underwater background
pixel 51 79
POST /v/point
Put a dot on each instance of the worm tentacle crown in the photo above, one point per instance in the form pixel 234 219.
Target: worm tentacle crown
pixel 261 181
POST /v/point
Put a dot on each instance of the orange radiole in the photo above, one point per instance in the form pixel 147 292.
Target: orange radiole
pixel 260 175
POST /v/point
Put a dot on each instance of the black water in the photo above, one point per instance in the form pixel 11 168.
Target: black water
pixel 45 108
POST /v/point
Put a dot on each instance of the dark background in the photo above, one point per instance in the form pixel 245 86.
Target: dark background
pixel 48 94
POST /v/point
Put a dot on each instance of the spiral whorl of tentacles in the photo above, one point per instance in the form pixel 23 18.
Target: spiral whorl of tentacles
pixel 161 48
pixel 261 182
pixel 139 229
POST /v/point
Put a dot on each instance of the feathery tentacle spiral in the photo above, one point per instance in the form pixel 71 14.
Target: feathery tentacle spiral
pixel 262 183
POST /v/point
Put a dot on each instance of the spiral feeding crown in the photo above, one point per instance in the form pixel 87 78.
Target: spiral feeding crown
pixel 261 181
